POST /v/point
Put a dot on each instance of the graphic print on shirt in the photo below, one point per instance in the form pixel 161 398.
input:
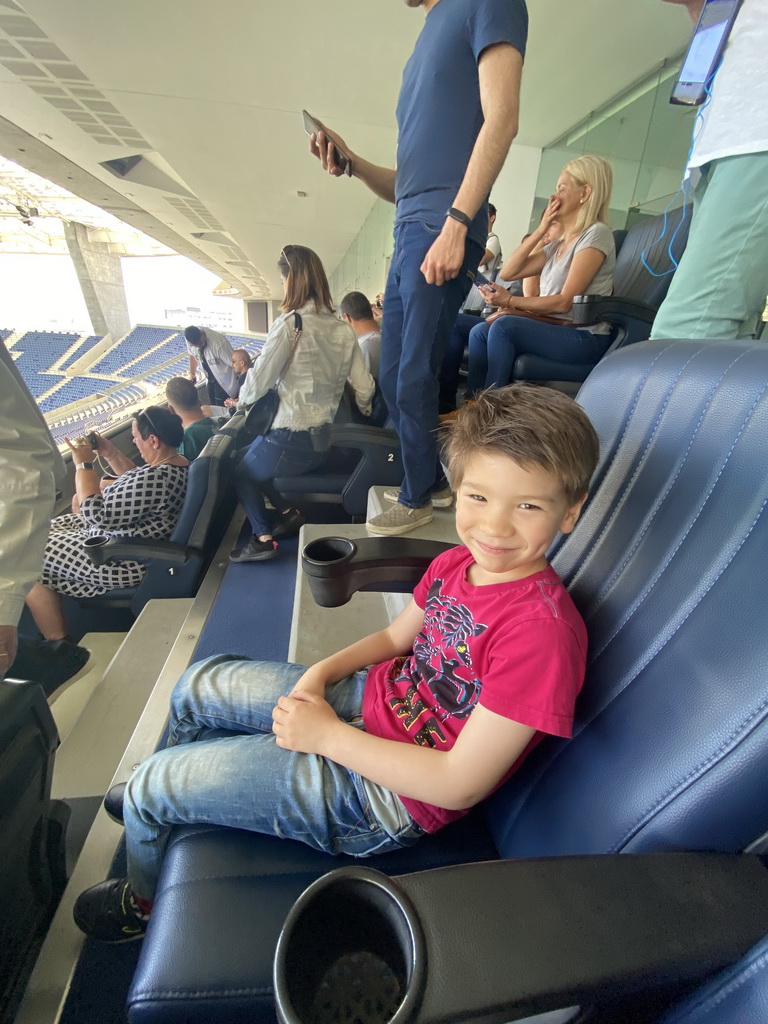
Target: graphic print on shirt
pixel 441 658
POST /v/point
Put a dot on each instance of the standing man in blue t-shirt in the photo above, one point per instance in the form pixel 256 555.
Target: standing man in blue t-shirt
pixel 457 116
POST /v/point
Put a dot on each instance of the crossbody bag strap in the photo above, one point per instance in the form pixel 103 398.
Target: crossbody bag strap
pixel 298 328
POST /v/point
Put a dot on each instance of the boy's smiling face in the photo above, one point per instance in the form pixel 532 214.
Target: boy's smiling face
pixel 508 516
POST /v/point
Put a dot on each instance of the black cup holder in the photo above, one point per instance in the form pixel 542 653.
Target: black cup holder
pixel 336 568
pixel 94 549
pixel 328 554
pixel 351 949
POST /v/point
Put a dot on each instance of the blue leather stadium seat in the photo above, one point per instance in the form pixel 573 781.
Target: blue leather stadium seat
pixel 738 995
pixel 670 744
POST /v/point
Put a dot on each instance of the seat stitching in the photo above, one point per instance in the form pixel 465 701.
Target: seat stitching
pixel 730 743
pixel 671 555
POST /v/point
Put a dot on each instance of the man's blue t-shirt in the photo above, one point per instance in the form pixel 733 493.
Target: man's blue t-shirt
pixel 439 114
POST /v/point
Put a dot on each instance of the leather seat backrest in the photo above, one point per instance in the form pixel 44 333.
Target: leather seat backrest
pixel 207 480
pixel 632 279
pixel 668 567
pixel 738 995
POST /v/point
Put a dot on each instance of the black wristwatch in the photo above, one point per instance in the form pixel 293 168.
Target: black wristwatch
pixel 85 465
pixel 459 215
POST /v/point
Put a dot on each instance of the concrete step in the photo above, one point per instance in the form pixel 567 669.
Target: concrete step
pixel 96 738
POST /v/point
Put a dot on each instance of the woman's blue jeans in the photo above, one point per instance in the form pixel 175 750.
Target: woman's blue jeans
pixel 493 348
pixel 222 766
pixel 279 453
pixel 418 318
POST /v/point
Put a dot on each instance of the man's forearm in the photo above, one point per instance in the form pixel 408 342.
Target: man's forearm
pixel 488 156
pixel 380 180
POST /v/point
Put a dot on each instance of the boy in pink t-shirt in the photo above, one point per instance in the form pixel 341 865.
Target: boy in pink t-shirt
pixel 487 657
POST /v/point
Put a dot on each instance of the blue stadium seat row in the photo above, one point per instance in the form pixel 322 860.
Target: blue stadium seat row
pixel 81 350
pixel 133 345
pixel 74 390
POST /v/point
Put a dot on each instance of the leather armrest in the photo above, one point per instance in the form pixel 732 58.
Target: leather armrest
pixel 351 435
pixel 336 567
pixel 495 941
pixel 108 549
pixel 592 309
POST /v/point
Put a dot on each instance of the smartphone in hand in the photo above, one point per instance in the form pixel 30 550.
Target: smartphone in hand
pixel 313 127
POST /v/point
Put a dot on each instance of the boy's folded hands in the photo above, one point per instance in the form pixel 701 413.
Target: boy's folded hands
pixel 305 722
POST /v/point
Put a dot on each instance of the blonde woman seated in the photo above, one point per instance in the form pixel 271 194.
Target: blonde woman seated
pixel 581 262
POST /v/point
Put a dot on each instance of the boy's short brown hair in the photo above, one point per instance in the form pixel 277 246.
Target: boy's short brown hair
pixel 535 426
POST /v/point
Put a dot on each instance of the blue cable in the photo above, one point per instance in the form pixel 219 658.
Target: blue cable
pixel 685 186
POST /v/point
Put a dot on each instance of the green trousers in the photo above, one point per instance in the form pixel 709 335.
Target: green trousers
pixel 719 289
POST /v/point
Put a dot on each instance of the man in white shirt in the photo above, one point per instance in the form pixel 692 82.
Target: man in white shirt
pixel 720 287
pixel 214 352
pixel 356 310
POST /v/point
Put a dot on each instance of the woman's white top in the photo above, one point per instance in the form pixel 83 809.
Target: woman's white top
pixel 326 356
pixel 556 269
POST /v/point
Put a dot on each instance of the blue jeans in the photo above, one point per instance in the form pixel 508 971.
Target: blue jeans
pixel 418 318
pixel 493 348
pixel 279 453
pixel 454 356
pixel 222 766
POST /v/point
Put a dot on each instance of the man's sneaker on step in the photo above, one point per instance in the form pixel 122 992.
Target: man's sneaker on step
pixel 110 912
pixel 255 551
pixel 399 519
pixel 440 499
pixel 289 524
pixel 54 664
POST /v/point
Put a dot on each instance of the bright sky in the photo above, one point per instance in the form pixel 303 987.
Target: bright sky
pixel 43 292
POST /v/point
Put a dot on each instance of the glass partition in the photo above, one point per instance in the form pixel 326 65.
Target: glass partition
pixel 644 138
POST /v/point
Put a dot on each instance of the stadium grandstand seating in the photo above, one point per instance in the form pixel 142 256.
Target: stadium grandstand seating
pixel 124 377
pixel 173 347
pixel 74 389
pixel 85 346
pixel 134 345
pixel 40 350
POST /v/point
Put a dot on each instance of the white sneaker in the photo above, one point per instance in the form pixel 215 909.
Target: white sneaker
pixel 399 519
pixel 440 499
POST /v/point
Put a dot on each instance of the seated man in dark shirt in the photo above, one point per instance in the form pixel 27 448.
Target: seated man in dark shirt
pixel 184 400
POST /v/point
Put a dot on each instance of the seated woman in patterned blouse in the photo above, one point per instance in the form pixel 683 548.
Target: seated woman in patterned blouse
pixel 143 501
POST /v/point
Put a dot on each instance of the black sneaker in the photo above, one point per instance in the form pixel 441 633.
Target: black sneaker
pixel 53 664
pixel 289 524
pixel 113 802
pixel 107 912
pixel 255 551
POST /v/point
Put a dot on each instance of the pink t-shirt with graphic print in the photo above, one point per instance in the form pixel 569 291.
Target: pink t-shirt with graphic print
pixel 518 648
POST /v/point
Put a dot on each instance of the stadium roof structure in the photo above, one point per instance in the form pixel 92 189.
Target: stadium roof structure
pixel 32 212
pixel 183 119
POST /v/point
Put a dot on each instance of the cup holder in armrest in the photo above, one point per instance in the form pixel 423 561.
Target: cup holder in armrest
pixel 370 965
pixel 336 567
pixel 94 548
